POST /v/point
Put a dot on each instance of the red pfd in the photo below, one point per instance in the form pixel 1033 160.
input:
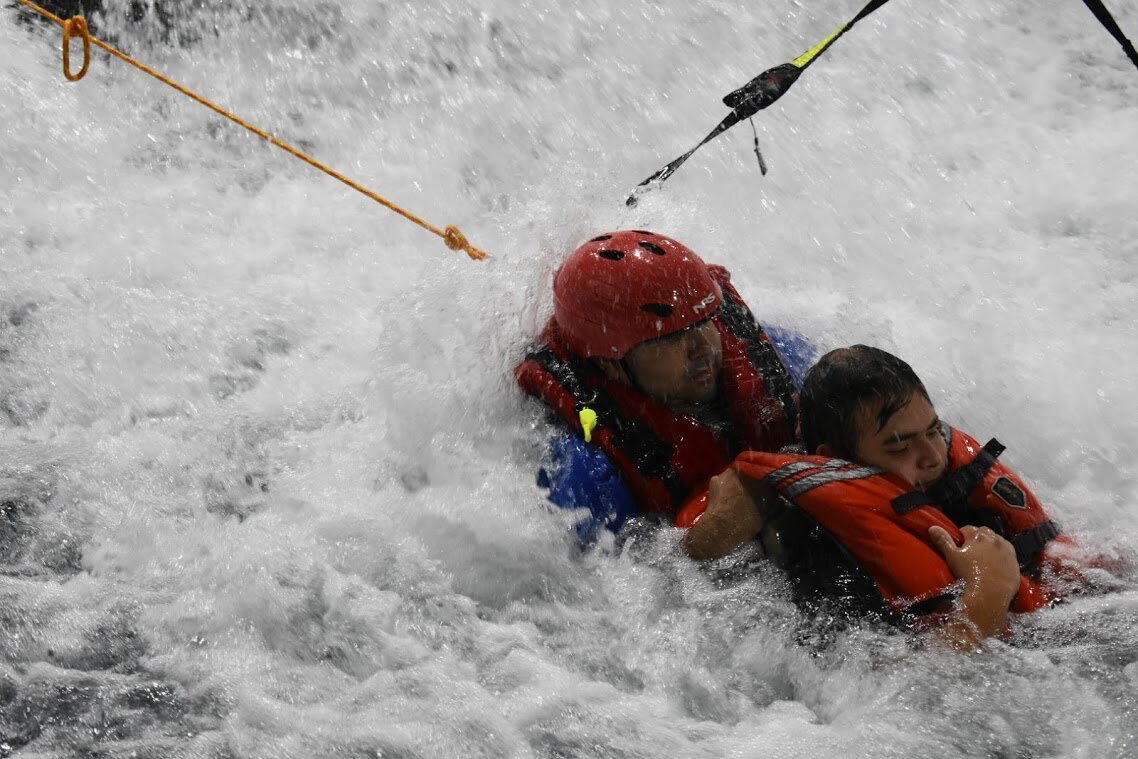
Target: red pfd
pixel 883 523
pixel 662 455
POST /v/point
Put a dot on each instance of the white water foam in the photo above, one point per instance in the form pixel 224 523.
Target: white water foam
pixel 268 485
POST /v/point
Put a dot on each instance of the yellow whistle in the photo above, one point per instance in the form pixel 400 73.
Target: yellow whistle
pixel 588 423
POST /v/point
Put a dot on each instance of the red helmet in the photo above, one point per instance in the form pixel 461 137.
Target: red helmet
pixel 623 288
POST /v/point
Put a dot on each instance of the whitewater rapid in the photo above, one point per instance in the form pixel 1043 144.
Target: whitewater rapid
pixel 266 484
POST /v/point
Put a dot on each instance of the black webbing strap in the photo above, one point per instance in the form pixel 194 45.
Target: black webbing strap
pixel 757 94
pixel 1107 20
pixel 951 496
pixel 769 86
pixel 1029 543
pixel 561 371
pixel 952 491
pixel 651 453
pixel 776 381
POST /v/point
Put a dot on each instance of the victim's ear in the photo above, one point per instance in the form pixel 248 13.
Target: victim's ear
pixel 824 450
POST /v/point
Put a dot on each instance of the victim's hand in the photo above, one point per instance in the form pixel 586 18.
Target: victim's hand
pixel 986 562
pixel 984 558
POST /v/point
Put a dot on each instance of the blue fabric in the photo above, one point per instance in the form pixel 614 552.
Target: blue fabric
pixel 580 475
pixel 798 353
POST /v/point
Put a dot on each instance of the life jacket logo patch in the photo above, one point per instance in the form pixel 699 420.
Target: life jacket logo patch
pixel 1010 493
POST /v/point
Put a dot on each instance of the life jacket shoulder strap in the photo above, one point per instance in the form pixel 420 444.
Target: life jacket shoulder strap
pixel 741 322
pixel 951 495
pixel 560 370
pixel 650 453
pixel 1030 542
pixel 954 488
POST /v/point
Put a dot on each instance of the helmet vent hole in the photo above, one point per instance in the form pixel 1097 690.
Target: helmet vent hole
pixel 653 247
pixel 601 238
pixel 612 255
pixel 659 309
pixel 642 232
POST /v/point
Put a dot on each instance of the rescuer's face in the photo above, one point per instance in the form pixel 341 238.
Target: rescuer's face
pixel 682 367
pixel 909 444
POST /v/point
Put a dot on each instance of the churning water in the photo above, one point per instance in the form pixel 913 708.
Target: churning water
pixel 267 484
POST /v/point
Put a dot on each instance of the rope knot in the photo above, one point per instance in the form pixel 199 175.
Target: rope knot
pixel 456 240
pixel 76 26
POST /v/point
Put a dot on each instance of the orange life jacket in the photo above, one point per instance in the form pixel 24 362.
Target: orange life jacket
pixel 663 455
pixel 883 523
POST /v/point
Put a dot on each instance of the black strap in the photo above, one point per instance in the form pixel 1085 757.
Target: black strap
pixel 951 496
pixel 1029 543
pixel 651 453
pixel 951 493
pixel 757 94
pixel 773 83
pixel 777 383
pixel 1107 20
pixel 744 102
pixel 561 371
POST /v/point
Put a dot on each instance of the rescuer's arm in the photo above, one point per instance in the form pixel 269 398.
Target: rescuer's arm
pixel 987 564
pixel 735 514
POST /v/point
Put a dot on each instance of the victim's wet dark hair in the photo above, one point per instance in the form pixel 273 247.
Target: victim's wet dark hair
pixel 842 384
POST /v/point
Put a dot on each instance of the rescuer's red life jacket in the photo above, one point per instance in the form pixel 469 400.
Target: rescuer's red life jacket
pixel 663 455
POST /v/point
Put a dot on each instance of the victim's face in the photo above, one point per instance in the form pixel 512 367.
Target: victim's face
pixel 909 445
pixel 682 367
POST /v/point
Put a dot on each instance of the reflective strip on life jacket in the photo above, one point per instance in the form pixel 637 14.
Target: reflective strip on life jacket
pixel 840 471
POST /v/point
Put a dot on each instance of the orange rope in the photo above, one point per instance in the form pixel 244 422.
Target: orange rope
pixel 77 27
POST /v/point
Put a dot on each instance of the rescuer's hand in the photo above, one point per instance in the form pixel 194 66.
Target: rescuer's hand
pixel 733 517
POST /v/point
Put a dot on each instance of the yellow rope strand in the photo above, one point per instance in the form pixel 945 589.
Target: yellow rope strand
pixel 77 27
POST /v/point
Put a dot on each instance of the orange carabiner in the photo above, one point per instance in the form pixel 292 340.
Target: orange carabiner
pixel 76 26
